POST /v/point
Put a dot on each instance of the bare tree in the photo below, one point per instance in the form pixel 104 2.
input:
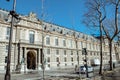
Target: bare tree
pixel 111 28
pixel 94 17
pixel 97 16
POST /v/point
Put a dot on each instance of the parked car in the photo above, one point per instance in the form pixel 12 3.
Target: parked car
pixel 95 62
pixel 82 69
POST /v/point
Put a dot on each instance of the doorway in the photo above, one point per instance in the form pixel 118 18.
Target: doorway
pixel 31 60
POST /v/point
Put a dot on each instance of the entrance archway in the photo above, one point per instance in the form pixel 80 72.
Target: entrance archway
pixel 31 60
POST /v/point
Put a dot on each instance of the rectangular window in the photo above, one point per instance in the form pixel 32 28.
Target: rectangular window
pixel 96 47
pixel 65 59
pixel 8 33
pixel 48 59
pixel 47 40
pixel 90 46
pixel 70 43
pixel 93 46
pixel 81 45
pixel 71 52
pixel 64 43
pixel 64 52
pixel 91 53
pixel 56 41
pixel 65 64
pixel 71 59
pixel 6 59
pixel 57 52
pixel 48 51
pixel 48 65
pixel 6 48
pixel 31 36
pixel 98 54
pixel 57 59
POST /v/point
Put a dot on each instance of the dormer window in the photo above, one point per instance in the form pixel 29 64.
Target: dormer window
pixel 45 27
pixel 61 31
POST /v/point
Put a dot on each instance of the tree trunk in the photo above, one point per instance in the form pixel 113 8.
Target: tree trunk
pixel 100 70
pixel 110 49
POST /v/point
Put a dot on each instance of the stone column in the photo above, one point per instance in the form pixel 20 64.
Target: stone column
pixel 39 60
pixel 37 57
pixel 25 60
pixel 24 63
pixel 18 66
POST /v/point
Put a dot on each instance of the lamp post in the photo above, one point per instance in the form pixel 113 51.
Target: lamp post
pixel 42 50
pixel 8 75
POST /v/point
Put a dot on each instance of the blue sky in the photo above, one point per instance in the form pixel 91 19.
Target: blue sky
pixel 66 13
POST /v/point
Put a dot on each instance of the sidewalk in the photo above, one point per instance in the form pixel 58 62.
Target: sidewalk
pixel 38 76
pixel 61 74
pixel 110 72
pixel 112 75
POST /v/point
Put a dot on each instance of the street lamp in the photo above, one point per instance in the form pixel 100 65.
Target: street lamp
pixel 42 50
pixel 13 14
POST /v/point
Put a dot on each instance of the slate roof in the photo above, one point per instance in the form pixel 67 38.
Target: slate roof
pixel 50 27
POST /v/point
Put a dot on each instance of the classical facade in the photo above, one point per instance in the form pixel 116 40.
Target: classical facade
pixel 62 47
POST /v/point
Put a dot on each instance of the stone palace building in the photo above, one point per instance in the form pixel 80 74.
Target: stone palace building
pixel 62 47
